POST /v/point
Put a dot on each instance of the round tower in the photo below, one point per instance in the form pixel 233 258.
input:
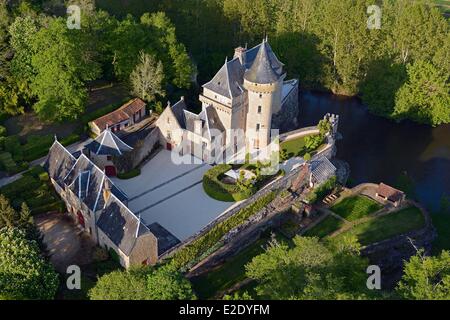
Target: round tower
pixel 263 82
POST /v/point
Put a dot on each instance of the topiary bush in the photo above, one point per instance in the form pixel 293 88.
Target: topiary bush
pixel 218 190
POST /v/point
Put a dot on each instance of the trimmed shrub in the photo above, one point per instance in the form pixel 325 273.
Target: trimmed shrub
pixel 44 177
pixel 222 191
pixel 37 146
pixel 74 137
pixel 2 131
pixel 130 174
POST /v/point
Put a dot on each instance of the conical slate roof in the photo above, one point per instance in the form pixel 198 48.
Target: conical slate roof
pixel 266 68
pixel 108 144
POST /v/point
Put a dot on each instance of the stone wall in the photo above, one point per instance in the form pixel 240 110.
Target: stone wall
pixel 286 119
pixel 390 254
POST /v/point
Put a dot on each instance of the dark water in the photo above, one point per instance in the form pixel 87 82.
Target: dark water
pixel 380 150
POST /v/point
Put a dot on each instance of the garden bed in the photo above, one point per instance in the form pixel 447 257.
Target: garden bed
pixel 35 190
pixel 387 226
pixel 326 227
pixel 355 207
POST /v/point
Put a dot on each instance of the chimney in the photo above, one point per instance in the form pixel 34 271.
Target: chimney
pixel 198 127
pixel 106 190
pixel 239 52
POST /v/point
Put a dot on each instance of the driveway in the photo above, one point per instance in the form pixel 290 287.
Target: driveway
pixel 65 243
pixel 172 195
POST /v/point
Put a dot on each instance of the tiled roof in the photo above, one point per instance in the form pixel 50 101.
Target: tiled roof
pixel 121 114
pixel 59 162
pixel 108 144
pixel 389 192
pixel 321 170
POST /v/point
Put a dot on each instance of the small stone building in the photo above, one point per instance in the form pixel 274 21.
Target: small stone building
pixel 100 209
pixel 102 150
pixel 127 115
pixel 321 170
pixel 390 194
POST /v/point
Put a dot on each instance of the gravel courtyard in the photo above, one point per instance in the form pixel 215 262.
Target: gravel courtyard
pixel 172 195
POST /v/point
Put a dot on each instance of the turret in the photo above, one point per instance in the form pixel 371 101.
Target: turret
pixel 264 82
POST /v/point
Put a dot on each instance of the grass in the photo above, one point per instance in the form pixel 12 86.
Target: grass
pixel 293 147
pixel 386 227
pixel 355 207
pixel 327 226
pixel 231 272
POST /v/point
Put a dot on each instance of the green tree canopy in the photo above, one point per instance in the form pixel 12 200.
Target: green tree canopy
pixel 426 278
pixel 310 270
pixel 24 274
pixel 147 78
pixel 163 283
pixel 425 96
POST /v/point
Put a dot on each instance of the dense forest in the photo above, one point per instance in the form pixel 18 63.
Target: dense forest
pixel 400 70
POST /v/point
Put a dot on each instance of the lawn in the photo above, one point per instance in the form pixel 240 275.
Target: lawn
pixel 385 227
pixel 324 228
pixel 231 272
pixel 355 207
pixel 295 147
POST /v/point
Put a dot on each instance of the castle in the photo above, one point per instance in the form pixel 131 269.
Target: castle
pixel 247 95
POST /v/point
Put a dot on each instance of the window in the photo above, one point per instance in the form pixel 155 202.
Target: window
pixel 256 144
pixel 257 126
pixel 259 109
pixel 260 95
pixel 109 158
pixel 168 120
pixel 169 135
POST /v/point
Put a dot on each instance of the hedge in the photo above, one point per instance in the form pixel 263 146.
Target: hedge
pixel 130 174
pixel 222 191
pixel 194 250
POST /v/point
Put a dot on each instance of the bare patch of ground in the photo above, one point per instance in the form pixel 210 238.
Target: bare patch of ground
pixel 65 242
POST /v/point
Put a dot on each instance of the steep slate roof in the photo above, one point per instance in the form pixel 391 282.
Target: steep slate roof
pixel 250 56
pixel 121 225
pixel 121 114
pixel 321 170
pixel 59 162
pixel 178 111
pixel 260 65
pixel 87 181
pixel 108 144
pixel 265 68
pixel 166 240
pixel 228 81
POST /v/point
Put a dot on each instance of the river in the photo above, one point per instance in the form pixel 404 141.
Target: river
pixel 380 150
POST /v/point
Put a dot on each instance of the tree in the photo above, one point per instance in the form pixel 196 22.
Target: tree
pixel 310 270
pixel 8 216
pixel 147 78
pixel 142 283
pixel 24 274
pixel 425 96
pixel 167 283
pixel 62 65
pixel 120 285
pixel 426 278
